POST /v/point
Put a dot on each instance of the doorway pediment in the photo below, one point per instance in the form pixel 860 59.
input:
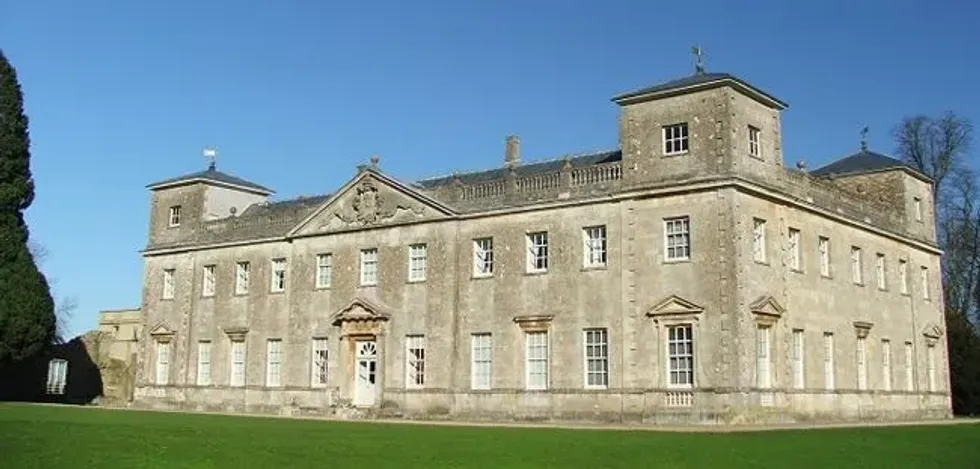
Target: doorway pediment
pixel 361 317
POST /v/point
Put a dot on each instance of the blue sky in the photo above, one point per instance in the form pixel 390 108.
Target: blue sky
pixel 295 94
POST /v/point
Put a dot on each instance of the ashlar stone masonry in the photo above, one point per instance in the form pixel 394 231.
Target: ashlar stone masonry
pixel 688 276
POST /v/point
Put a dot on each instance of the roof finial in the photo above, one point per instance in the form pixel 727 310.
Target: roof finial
pixel 211 154
pixel 698 60
pixel 375 159
pixel 864 139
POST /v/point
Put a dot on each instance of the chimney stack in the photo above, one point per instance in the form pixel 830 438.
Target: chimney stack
pixel 512 157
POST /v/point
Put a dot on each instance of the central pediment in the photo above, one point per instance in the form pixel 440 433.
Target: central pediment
pixel 371 199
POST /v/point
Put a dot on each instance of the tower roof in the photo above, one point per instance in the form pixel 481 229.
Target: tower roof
pixel 212 175
pixel 697 82
pixel 864 161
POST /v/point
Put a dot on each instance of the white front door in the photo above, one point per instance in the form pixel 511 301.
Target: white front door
pixel 367 373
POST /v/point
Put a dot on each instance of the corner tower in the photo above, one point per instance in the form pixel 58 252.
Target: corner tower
pixel 698 126
pixel 179 206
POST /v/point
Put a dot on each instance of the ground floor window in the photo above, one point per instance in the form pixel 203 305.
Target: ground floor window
pixel 319 362
pixel 680 356
pixel 596 358
pixel 238 363
pixel 415 361
pixel 57 376
pixel 536 360
pixel 482 358
pixel 163 363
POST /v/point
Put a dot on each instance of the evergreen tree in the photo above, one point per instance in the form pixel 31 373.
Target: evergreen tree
pixel 27 318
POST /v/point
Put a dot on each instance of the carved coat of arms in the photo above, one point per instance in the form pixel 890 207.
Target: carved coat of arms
pixel 367 203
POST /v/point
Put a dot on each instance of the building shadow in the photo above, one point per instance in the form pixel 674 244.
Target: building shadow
pixel 62 373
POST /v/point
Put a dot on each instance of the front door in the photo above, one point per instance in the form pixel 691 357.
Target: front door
pixel 367 373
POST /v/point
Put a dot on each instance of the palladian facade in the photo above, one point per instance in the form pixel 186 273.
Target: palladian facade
pixel 686 276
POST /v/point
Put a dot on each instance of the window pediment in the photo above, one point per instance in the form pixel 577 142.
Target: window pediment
pixel 534 322
pixel 236 333
pixel 675 307
pixel 766 310
pixel 162 333
pixel 862 328
pixel 932 333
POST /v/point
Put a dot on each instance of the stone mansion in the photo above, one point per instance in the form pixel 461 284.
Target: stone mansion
pixel 687 276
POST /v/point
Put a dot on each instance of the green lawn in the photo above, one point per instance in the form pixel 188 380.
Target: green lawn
pixel 56 437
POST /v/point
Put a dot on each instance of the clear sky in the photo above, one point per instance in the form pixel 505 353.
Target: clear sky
pixel 294 94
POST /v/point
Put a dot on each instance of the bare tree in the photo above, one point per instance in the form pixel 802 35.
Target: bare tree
pixel 65 306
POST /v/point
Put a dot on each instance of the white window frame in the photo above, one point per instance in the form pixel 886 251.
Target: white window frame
pixel 823 248
pixel 415 361
pixel 909 367
pixel 886 364
pixel 418 262
pixel 924 278
pixel 536 360
pixel 481 361
pixel 169 281
pixel 795 256
pixel 483 257
pixel 861 352
pixel 204 363
pixel 595 358
pixel 857 265
pixel 679 352
pixel 278 277
pixel 238 357
pixel 799 359
pixel 881 271
pixel 57 376
pixel 242 274
pixel 173 216
pixel 755 142
pixel 369 267
pixel 677 239
pixel 903 276
pixel 676 138
pixel 759 253
pixel 163 363
pixel 829 371
pixel 324 270
pixel 208 280
pixel 763 350
pixel 931 367
pixel 537 251
pixel 273 363
pixel 594 252
pixel 319 363
pixel 917 208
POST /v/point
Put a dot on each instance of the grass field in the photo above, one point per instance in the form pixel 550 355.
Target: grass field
pixel 55 437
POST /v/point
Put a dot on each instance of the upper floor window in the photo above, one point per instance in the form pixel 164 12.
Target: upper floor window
pixel 903 276
pixel 369 267
pixel 675 139
pixel 278 275
pixel 595 246
pixel 795 261
pixel 880 271
pixel 537 251
pixel 175 215
pixel 759 239
pixel 823 246
pixel 755 137
pixel 168 283
pixel 916 207
pixel 324 270
pixel 483 257
pixel 677 237
pixel 241 278
pixel 924 277
pixel 418 260
pixel 857 266
pixel 207 287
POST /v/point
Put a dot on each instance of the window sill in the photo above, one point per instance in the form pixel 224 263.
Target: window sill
pixel 679 153
pixel 535 272
pixel 765 263
pixel 276 292
pixel 367 285
pixel 859 284
pixel 480 276
pixel 415 281
pixel 686 260
pixel 167 299
pixel 828 277
pixel 240 293
pixel 321 287
pixel 207 297
pixel 797 271
pixel 593 268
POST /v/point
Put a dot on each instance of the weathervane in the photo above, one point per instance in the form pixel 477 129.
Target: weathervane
pixel 864 139
pixel 211 154
pixel 698 60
